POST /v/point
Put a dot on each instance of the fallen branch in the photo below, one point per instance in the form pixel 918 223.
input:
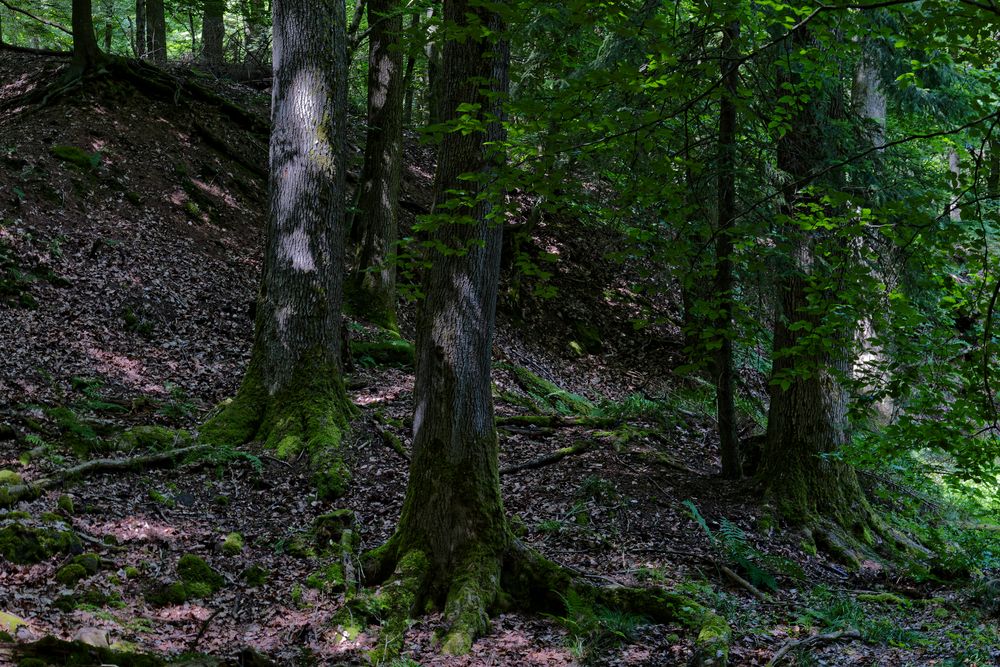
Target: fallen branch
pixel 551 457
pixel 809 641
pixel 990 527
pixel 51 24
pixel 35 52
pixel 743 583
pixel 12 494
pixel 390 439
pixel 556 421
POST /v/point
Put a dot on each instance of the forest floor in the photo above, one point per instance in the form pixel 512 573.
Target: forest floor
pixel 129 258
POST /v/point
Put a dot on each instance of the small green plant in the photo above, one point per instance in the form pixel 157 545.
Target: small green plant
pixel 731 542
pixel 179 406
pixel 594 628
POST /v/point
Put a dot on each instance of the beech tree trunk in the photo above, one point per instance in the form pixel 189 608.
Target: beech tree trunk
pixel 725 387
pixel 86 53
pixel 213 32
pixel 807 419
pixel 140 28
pixel 156 31
pixel 378 202
pixel 408 87
pixel 453 531
pixel 292 396
pixel 436 102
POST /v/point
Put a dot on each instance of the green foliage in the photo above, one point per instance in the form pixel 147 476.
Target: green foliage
pixel 77 156
pixel 594 628
pixel 732 544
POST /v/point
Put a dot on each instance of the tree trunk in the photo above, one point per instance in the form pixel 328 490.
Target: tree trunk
pixel 292 396
pixel 453 524
pixel 156 31
pixel 86 53
pixel 435 79
pixel 408 87
pixel 140 29
pixel 724 372
pixel 955 169
pixel 213 32
pixel 807 419
pixel 378 203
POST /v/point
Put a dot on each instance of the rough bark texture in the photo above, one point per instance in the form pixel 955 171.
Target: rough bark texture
pixel 213 32
pixel 411 62
pixel 86 53
pixel 292 396
pixel 156 31
pixel 140 28
pixel 436 102
pixel 378 204
pixel 725 389
pixel 807 421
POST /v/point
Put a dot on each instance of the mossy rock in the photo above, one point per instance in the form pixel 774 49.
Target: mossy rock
pixel 158 438
pixel 193 569
pixel 384 353
pixel 233 544
pixel 76 156
pixel 22 545
pixel 71 574
pixel 10 478
pixel 197 580
pixel 90 562
pixel 65 503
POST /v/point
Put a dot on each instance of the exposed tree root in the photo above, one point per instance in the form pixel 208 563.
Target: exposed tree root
pixel 484 582
pixel 810 641
pixel 309 418
pixel 550 458
pixel 12 494
pixel 35 52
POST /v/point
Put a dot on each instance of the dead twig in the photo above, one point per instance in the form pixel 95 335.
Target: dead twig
pixel 551 457
pixel 839 635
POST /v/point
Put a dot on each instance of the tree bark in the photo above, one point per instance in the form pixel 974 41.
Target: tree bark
pixel 724 372
pixel 408 87
pixel 156 31
pixel 292 395
pixel 807 419
pixel 453 531
pixel 435 80
pixel 213 32
pixel 140 29
pixel 86 53
pixel 378 203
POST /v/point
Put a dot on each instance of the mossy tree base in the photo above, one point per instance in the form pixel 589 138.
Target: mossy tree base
pixel 487 581
pixel 309 416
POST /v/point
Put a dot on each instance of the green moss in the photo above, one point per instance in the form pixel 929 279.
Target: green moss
pixel 712 645
pixel 10 478
pixel 309 415
pixel 221 501
pixel 70 574
pixel 329 579
pixel 193 569
pixel 22 545
pixel 255 575
pixel 52 651
pixel 882 598
pixel 90 562
pixel 76 156
pixel 329 527
pixel 10 623
pixel 398 598
pixel 158 438
pixel 233 544
pixel 32 662
pixel 588 338
pixel 132 572
pixel 399 353
pixel 65 503
pixel 547 397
